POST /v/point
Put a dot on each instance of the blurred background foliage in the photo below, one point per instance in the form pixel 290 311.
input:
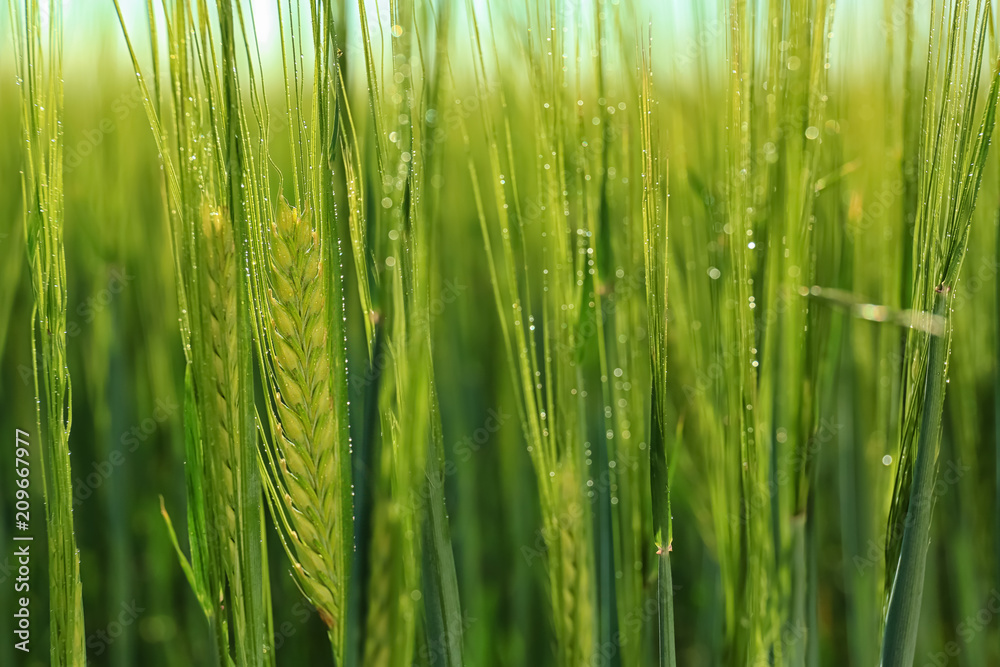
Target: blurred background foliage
pixel 126 361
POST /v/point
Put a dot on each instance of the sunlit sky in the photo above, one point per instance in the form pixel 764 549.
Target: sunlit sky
pixel 93 32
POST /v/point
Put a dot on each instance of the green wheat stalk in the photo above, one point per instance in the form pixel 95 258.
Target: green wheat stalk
pixel 654 224
pixel 38 58
pixel 390 159
pixel 954 155
pixel 297 292
pixel 201 136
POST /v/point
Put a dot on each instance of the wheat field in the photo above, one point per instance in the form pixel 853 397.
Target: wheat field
pixel 570 333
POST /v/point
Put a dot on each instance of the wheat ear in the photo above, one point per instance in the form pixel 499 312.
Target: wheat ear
pixel 570 564
pixel 310 458
pixel 220 269
pixel 380 625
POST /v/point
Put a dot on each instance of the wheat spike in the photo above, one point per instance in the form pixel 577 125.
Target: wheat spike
pixel 569 561
pixel 306 439
pixel 224 359
pixel 380 622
